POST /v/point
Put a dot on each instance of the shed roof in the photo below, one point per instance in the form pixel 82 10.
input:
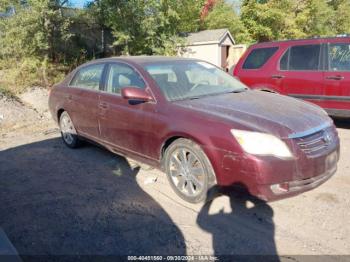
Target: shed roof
pixel 215 36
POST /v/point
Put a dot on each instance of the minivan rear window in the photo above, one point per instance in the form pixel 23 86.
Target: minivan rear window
pixel 258 57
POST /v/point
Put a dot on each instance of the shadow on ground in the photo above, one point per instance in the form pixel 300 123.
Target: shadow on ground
pixel 247 230
pixel 60 201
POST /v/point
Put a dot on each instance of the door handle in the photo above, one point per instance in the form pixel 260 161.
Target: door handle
pixel 103 105
pixel 277 76
pixel 335 77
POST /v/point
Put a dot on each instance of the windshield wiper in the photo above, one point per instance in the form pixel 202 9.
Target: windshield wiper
pixel 206 95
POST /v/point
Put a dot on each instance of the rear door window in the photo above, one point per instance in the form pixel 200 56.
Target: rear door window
pixel 303 57
pixel 258 57
pixel 339 57
pixel 88 77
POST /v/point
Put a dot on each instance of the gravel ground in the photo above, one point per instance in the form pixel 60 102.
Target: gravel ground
pixel 56 200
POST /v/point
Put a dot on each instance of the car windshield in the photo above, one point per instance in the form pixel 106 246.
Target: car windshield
pixel 181 80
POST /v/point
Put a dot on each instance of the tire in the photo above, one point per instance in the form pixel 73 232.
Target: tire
pixel 68 132
pixel 188 170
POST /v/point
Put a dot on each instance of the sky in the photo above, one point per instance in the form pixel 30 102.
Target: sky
pixel 78 3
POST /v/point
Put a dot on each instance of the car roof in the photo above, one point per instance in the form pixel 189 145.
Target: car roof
pixel 142 59
pixel 306 40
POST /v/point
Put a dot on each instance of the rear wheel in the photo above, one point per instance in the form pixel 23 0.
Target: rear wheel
pixel 188 170
pixel 68 132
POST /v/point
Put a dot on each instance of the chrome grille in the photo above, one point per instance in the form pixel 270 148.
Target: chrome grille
pixel 316 143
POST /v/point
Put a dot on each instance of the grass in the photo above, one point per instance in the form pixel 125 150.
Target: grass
pixel 20 73
pixel 16 77
pixel 8 93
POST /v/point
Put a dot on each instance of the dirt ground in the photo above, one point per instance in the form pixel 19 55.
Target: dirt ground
pixel 55 200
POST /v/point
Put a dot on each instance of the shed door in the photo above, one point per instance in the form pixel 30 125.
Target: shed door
pixel 224 56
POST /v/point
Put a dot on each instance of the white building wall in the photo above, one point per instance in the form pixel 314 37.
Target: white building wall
pixel 235 53
pixel 210 53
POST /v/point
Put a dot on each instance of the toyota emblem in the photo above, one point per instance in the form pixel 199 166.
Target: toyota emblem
pixel 327 138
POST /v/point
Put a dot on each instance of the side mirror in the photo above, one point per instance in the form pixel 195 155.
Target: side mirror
pixel 137 94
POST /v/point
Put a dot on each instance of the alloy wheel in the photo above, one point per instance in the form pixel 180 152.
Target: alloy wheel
pixel 187 172
pixel 67 129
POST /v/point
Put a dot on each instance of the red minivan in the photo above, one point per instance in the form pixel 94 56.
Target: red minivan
pixel 317 70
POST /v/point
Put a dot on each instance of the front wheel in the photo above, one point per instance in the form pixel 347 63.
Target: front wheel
pixel 189 170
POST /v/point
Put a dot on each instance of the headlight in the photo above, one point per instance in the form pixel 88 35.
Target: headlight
pixel 261 144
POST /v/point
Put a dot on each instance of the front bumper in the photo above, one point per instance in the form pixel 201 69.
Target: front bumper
pixel 292 188
pixel 270 178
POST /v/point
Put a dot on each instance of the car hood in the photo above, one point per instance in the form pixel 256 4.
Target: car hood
pixel 263 112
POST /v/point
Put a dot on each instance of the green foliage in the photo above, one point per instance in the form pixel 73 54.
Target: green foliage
pixel 287 19
pixel 269 20
pixel 31 44
pixel 223 15
pixel 4 91
pixel 39 44
pixel 37 29
pixel 139 27
pixel 341 16
pixel 316 18
pixel 17 75
pixel 189 14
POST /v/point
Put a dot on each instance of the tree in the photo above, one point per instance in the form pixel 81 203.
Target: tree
pixel 270 20
pixel 341 16
pixel 287 19
pixel 32 38
pixel 315 19
pixel 37 29
pixel 189 14
pixel 140 27
pixel 223 15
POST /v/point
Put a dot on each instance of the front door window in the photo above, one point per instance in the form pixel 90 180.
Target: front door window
pixel 120 76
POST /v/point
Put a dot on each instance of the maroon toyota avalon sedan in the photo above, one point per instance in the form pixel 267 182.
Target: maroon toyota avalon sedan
pixel 198 124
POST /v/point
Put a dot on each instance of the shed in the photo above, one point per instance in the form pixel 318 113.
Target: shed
pixel 209 45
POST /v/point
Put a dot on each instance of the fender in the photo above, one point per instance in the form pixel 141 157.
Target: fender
pixel 170 137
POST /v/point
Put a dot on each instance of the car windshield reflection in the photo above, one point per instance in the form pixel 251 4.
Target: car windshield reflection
pixel 182 80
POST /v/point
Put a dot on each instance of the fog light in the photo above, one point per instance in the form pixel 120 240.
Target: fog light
pixel 280 188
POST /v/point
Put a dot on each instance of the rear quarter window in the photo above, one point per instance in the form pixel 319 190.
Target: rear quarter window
pixel 258 57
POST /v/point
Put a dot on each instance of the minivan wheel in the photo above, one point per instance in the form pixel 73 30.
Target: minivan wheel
pixel 188 169
pixel 68 132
